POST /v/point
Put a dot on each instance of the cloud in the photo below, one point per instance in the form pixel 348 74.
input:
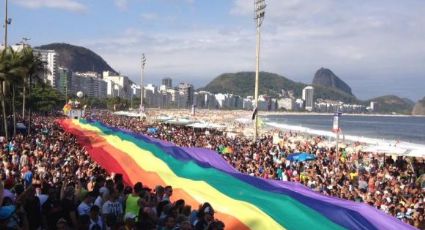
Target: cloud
pixel 69 5
pixel 121 4
pixel 360 41
pixel 149 16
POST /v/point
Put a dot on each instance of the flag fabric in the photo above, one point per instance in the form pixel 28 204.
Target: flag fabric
pixel 66 108
pixel 228 150
pixel 200 175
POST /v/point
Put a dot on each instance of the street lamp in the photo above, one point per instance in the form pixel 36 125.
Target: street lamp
pixel 7 21
pixel 259 7
pixel 141 85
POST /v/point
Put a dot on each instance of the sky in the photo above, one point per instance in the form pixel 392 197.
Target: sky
pixel 376 46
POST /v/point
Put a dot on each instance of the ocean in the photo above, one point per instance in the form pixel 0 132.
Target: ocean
pixel 407 129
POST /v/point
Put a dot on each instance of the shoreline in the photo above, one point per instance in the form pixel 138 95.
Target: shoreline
pixel 244 127
pixel 269 113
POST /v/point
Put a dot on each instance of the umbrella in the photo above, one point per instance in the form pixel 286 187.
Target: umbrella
pixel 152 130
pixel 301 157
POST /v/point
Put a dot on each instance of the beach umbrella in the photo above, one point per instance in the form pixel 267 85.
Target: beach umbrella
pixel 300 157
pixel 152 130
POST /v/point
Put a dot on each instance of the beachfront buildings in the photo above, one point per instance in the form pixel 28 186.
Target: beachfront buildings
pixel 64 81
pixel 286 103
pixel 186 92
pixel 308 97
pixel 90 83
pixel 48 57
pixel 331 106
pixel 205 99
pixel 167 83
pixel 118 85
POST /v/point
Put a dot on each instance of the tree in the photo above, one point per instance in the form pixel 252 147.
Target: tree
pixel 16 70
pixel 34 68
pixel 45 99
pixel 5 78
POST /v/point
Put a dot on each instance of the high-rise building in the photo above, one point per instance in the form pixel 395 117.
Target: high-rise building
pixel 49 58
pixel 118 85
pixel 150 95
pixel 186 94
pixel 64 81
pixel 89 84
pixel 168 82
pixel 308 97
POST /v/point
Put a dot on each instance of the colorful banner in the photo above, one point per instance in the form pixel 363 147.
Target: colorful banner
pixel 200 175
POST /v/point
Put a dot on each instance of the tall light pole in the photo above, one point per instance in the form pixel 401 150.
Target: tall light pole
pixel 259 7
pixel 141 84
pixel 7 21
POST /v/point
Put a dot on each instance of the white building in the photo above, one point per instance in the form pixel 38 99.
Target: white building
pixel 135 90
pixel 299 104
pixel 286 103
pixel 263 102
pixel 186 92
pixel 118 85
pixel 247 103
pixel 49 58
pixel 150 95
pixel 308 97
pixel 89 84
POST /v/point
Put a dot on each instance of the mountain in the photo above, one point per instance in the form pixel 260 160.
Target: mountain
pixel 242 83
pixel 77 58
pixel 419 108
pixel 391 104
pixel 325 77
pixel 409 101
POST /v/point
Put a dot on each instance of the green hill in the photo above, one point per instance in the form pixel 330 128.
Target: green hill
pixel 419 108
pixel 242 83
pixel 392 104
pixel 77 58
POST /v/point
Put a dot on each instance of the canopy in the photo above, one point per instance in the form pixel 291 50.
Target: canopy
pixel 300 157
pixel 127 114
pixel 163 117
pixel 178 121
pixel 206 125
pixel 394 150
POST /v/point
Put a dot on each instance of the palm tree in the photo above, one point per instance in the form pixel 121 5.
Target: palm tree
pixel 34 67
pixel 5 57
pixel 16 71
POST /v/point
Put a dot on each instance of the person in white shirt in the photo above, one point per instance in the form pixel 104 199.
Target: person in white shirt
pixel 113 206
pixel 95 219
pixel 84 207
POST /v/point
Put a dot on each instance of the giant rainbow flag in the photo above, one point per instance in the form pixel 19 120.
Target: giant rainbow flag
pixel 200 175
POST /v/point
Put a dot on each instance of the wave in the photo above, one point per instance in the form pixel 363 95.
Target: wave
pixel 401 145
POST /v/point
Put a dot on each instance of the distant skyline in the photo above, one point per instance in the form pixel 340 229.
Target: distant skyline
pixel 377 47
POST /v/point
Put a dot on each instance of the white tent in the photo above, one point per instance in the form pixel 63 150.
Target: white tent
pixel 206 125
pixel 128 114
pixel 394 150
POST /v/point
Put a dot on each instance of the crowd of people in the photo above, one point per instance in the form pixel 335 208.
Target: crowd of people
pixel 393 185
pixel 48 181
